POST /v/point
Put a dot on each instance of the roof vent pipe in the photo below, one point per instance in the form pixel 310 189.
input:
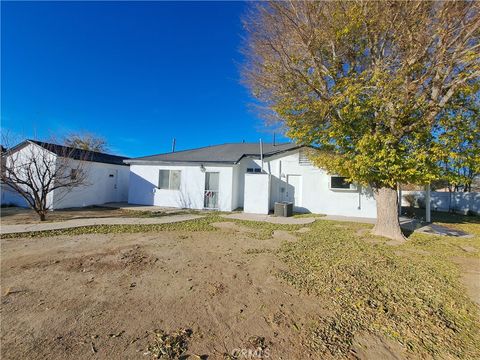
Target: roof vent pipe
pixel 273 139
pixel 261 154
pixel 173 144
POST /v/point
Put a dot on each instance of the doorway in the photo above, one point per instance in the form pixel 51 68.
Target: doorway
pixel 293 191
pixel 210 195
pixel 112 185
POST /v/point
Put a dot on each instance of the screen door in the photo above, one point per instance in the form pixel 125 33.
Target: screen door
pixel 211 190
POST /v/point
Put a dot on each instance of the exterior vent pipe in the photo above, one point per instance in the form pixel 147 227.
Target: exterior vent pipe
pixel 261 154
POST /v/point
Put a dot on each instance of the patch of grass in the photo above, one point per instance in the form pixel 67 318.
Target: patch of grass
pixel 258 251
pixel 410 296
pixel 468 223
pixel 307 215
pixel 160 213
pixel 444 247
pixel 266 229
pixel 169 346
pixel 201 224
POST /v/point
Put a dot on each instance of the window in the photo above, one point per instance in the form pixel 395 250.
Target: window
pixel 254 170
pixel 169 179
pixel 340 183
pixel 73 174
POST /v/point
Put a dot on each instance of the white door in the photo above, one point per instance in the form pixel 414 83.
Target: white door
pixel 293 191
pixel 112 185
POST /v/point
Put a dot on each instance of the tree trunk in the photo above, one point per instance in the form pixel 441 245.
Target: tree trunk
pixel 387 224
pixel 42 216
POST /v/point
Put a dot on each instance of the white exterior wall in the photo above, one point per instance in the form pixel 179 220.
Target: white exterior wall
pixel 98 190
pixel 24 156
pixel 257 194
pixel 316 196
pixel 144 181
pixel 237 187
pixel 99 187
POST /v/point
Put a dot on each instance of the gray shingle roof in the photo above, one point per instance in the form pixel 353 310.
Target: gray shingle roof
pixel 230 153
pixel 79 154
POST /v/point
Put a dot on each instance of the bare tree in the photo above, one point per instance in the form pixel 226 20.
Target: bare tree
pixel 86 141
pixel 35 170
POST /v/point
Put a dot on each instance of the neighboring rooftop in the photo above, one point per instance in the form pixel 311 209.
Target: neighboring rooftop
pixel 78 154
pixel 230 153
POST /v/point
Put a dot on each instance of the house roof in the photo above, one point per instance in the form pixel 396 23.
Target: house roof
pixel 77 154
pixel 230 153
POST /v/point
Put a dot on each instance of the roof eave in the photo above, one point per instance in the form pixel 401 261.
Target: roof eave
pixel 176 162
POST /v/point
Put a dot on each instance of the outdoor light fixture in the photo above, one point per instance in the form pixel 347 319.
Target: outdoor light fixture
pixel 202 168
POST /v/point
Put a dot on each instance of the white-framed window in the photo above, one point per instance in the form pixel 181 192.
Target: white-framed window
pixel 169 179
pixel 341 183
pixel 254 170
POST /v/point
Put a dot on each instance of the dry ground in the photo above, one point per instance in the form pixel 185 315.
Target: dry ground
pixel 241 286
pixel 63 294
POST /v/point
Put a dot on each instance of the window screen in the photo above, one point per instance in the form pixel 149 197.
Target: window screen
pixel 169 179
pixel 212 181
pixel 175 179
pixel 339 182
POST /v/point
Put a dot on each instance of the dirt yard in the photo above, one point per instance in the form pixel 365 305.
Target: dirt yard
pixel 107 295
pixel 102 296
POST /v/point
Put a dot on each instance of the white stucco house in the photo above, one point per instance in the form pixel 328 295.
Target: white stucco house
pixel 106 175
pixel 232 176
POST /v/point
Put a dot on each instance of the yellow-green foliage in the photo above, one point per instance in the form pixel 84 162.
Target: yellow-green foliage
pixel 356 79
pixel 409 293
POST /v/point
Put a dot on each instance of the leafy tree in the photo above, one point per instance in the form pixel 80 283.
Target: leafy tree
pixel 86 141
pixel 458 138
pixel 368 83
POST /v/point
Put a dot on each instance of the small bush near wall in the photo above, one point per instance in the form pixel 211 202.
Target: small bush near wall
pixel 410 199
pixel 421 202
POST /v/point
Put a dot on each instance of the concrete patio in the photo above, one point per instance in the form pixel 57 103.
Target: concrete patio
pixel 136 207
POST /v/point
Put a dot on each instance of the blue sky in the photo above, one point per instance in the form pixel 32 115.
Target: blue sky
pixel 137 74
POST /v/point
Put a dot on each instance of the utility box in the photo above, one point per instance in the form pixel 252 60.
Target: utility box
pixel 284 208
